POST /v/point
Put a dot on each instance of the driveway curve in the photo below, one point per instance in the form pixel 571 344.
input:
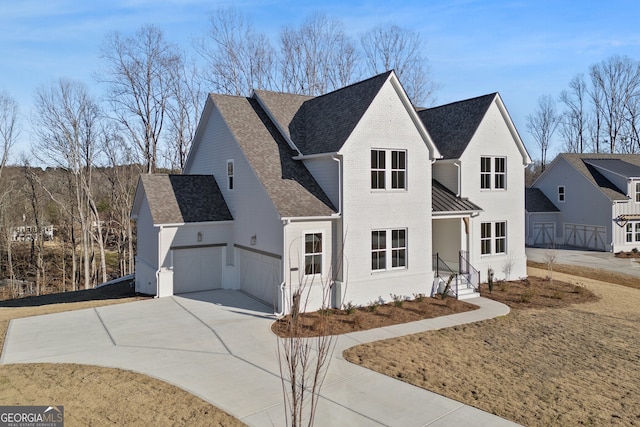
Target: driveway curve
pixel 219 346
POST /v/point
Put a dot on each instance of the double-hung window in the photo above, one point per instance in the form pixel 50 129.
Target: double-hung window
pixel 561 193
pixel 385 256
pixel 378 165
pixel 632 232
pixel 493 238
pixel 493 173
pixel 388 169
pixel 313 253
pixel 637 191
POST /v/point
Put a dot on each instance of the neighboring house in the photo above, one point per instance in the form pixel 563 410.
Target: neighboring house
pixel 26 233
pixel 338 189
pixel 597 197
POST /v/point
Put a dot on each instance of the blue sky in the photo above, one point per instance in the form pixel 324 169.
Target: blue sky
pixel 522 49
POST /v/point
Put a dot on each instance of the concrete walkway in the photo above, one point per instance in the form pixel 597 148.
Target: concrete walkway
pixel 593 259
pixel 218 345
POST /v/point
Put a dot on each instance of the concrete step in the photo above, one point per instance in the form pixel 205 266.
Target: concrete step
pixel 467 293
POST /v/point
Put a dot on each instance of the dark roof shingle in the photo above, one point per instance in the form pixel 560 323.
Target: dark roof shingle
pixel 177 199
pixel 536 201
pixel 452 126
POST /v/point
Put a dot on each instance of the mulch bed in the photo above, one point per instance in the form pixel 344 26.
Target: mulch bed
pixel 370 317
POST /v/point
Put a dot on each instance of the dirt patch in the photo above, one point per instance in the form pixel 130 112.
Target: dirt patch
pixel 563 364
pixel 95 395
pixel 354 319
pixel 607 276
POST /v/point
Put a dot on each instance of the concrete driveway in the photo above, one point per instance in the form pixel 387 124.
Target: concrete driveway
pixel 218 345
pixel 593 259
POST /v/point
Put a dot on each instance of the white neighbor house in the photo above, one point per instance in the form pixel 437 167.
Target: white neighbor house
pixel 287 190
pixel 597 200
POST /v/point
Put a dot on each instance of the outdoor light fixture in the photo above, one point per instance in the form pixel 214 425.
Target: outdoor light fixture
pixel 199 236
pixel 253 239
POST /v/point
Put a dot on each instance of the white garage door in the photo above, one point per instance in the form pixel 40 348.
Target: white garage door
pixel 585 236
pixel 197 269
pixel 260 276
pixel 544 233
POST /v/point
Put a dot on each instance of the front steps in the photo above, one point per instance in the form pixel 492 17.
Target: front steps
pixel 467 293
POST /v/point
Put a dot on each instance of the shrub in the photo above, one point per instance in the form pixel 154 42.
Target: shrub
pixel 397 300
pixel 373 306
pixel 418 297
pixel 349 308
pixel 503 286
pixel 527 296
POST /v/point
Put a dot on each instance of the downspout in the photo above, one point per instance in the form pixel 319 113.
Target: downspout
pixel 283 284
pixel 338 159
pixel 159 262
pixel 459 183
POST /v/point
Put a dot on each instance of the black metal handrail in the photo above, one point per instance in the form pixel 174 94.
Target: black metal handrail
pixel 440 267
pixel 471 274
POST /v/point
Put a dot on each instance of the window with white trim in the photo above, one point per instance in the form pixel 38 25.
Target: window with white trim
pixel 230 174
pixel 493 173
pixel 637 191
pixel 493 238
pixel 632 232
pixel 394 161
pixel 385 256
pixel 312 253
pixel 561 193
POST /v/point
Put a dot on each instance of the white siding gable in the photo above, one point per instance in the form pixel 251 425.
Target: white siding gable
pixel 386 125
pixel 495 138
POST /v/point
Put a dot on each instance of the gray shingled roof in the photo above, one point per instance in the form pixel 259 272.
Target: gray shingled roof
pixel 536 201
pixel 452 126
pixel 445 201
pixel 323 124
pixel 579 161
pixel 177 199
pixel 617 166
pixel 289 184
pixel 282 106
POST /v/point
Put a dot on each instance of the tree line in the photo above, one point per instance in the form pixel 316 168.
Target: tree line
pixel 95 148
pixel 599 112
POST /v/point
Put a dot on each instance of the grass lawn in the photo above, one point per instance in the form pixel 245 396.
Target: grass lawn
pixel 551 361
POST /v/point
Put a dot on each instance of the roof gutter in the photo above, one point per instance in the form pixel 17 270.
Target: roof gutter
pixel 315 156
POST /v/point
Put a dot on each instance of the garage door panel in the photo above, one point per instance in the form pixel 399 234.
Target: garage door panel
pixel 259 276
pixel 197 269
pixel 585 236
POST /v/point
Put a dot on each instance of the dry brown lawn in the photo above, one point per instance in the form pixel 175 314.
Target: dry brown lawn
pixel 543 364
pixel 99 396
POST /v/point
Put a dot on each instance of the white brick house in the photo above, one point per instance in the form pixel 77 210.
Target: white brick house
pixel 336 189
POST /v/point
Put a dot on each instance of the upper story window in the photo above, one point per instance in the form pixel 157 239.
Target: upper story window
pixel 394 161
pixel 313 253
pixel 493 173
pixel 561 193
pixel 230 174
pixel 637 191
pixel 377 169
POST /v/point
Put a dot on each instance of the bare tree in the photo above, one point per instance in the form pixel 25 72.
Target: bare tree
pixel 66 127
pixel 8 127
pixel 573 127
pixel 238 58
pixel 183 113
pixel 316 57
pixel 615 88
pixel 542 124
pixel 390 47
pixel 122 175
pixel 138 71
